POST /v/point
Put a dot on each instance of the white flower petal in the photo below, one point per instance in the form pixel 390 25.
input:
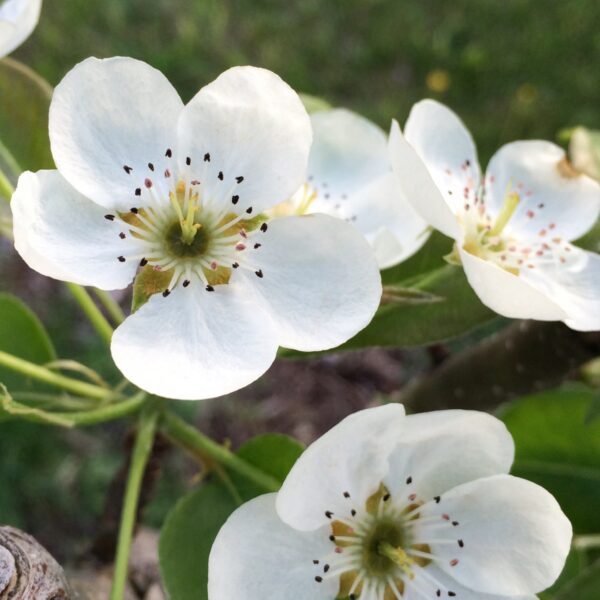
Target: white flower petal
pixel 446 147
pixel 515 536
pixel 258 557
pixel 436 579
pixel 388 221
pixel 440 450
pixel 320 284
pixel 61 234
pixel 110 114
pixel 346 464
pixel 348 152
pixel 574 286
pixel 555 200
pixel 195 344
pixel 418 186
pixel 18 19
pixel 508 294
pixel 247 123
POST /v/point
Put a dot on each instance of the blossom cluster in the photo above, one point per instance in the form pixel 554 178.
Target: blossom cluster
pixel 244 224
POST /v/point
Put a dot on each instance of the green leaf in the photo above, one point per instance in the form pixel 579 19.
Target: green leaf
pixel 584 587
pixel 23 335
pixel 314 103
pixel 273 453
pixel 24 104
pixel 443 304
pixel 187 537
pixel 455 311
pixel 556 449
pixel 593 412
pixel 591 240
pixel 427 259
pixel 572 569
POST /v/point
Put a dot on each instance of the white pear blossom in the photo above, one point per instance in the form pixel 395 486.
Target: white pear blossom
pixel 514 225
pixel 144 182
pixel 18 19
pixel 350 177
pixel 392 507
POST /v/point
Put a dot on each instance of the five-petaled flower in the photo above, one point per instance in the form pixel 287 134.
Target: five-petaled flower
pixel 176 192
pixel 350 177
pixel 513 227
pixel 18 19
pixel 392 507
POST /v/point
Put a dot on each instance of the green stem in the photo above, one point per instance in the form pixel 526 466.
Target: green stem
pixel 192 440
pixel 83 418
pixel 139 460
pixel 109 412
pixel 50 377
pixel 586 542
pixel 54 401
pixel 93 313
pixel 6 189
pixel 111 305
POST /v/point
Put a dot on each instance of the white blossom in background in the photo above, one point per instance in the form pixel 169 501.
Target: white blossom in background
pixel 392 507
pixel 18 19
pixel 584 151
pixel 514 225
pixel 350 177
pixel 144 182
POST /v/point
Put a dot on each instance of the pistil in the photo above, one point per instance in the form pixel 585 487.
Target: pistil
pixel 508 209
pixel 399 557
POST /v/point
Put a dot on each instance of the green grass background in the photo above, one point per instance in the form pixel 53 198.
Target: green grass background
pixel 516 68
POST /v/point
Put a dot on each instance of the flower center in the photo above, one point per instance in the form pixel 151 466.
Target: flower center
pixel 486 237
pixel 179 244
pixel 383 548
pixel 182 229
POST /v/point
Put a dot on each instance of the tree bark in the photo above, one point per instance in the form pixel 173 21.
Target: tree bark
pixel 27 571
pixel 524 358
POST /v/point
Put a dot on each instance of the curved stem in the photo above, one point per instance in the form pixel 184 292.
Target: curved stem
pixel 192 440
pixel 82 418
pixel 56 379
pixel 6 189
pixel 586 542
pixel 111 305
pixel 97 319
pixel 109 412
pixel 139 459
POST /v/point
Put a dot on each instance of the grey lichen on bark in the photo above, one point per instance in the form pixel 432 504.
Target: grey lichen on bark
pixel 28 571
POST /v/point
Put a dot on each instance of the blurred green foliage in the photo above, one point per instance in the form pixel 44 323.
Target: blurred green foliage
pixel 512 69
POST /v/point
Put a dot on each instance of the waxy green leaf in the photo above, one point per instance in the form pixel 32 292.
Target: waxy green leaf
pixel 436 303
pixel 559 451
pixel 273 453
pixel 187 537
pixel 584 587
pixel 191 527
pixel 22 334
